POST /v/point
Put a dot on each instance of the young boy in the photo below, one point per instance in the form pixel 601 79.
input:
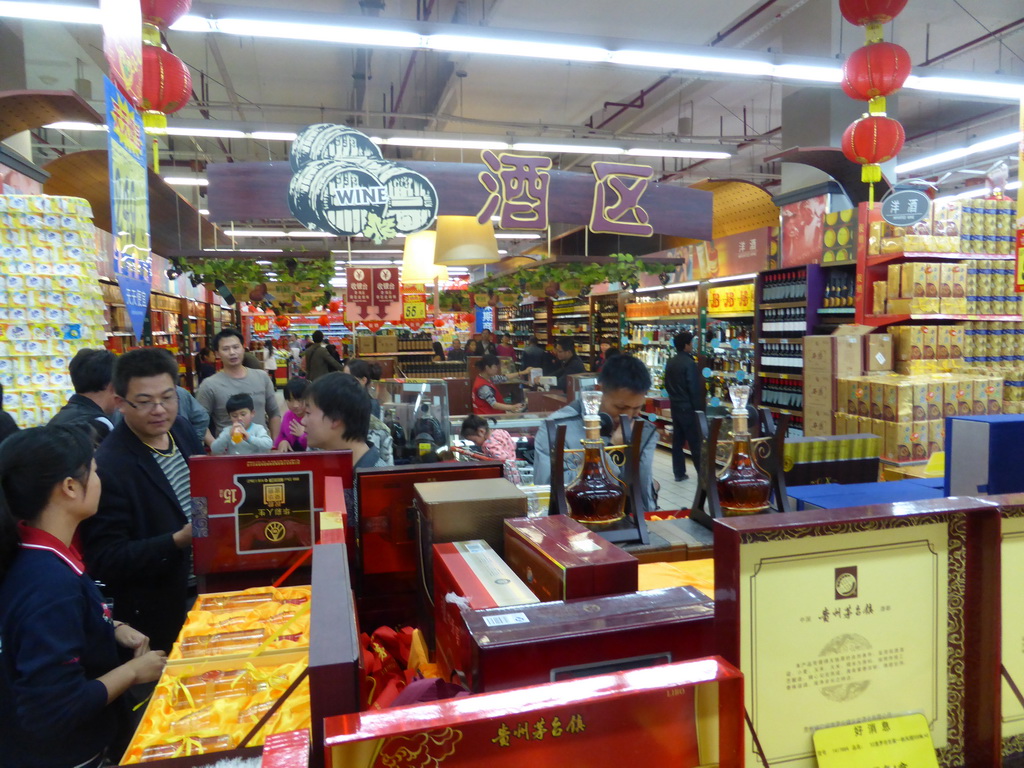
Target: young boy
pixel 242 437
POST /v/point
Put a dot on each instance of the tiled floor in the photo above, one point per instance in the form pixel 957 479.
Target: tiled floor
pixel 673 495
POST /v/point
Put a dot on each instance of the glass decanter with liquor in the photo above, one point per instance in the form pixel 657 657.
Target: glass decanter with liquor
pixel 743 487
pixel 596 497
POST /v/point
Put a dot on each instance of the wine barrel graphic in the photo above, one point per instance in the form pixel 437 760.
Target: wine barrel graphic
pixel 325 141
pixel 412 199
pixel 343 195
pixel 300 201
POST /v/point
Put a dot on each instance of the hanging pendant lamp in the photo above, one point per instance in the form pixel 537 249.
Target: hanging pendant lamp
pixel 462 241
pixel 418 266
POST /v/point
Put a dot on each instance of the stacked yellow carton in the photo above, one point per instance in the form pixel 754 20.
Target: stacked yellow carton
pixel 50 300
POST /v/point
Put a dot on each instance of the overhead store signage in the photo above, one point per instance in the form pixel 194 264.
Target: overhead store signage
pixel 909 206
pixel 374 296
pixel 129 205
pixel 738 254
pixel 518 187
pixel 342 184
pixel 731 299
pixel 522 190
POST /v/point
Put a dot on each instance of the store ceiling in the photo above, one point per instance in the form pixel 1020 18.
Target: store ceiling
pixel 279 84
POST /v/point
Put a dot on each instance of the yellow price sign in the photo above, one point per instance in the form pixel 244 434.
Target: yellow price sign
pixel 894 741
pixel 415 310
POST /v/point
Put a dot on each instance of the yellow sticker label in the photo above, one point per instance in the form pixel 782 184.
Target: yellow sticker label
pixel 892 742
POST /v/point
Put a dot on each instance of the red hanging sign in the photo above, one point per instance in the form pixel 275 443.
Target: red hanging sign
pixel 373 294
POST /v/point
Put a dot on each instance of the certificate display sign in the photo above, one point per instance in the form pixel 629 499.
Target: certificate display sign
pixel 844 642
pixel 846 616
pixel 275 512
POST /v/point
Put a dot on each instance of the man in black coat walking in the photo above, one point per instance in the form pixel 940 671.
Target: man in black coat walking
pixel 686 392
pixel 138 544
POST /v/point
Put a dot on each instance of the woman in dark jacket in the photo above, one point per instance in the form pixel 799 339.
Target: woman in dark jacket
pixel 63 660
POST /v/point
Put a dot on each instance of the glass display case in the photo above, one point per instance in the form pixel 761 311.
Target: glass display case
pixel 417 415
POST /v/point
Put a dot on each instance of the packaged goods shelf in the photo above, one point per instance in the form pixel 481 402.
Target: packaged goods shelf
pixel 837 311
pixel 885 258
pixel 783 376
pixel 782 305
pixel 888 319
pixel 790 411
pixel 796 340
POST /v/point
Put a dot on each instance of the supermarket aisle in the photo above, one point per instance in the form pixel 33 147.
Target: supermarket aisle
pixel 672 495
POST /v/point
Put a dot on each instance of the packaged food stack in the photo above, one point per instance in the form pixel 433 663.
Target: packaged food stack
pixel 927 288
pixel 264 619
pixel 50 300
pixel 988 227
pixel 924 349
pixel 999 345
pixel 938 232
pixel 909 412
pixel 990 288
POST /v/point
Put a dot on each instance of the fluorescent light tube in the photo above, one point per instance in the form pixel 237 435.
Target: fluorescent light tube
pixel 986 145
pixel 692 63
pixel 186 181
pixel 211 133
pixel 578 147
pixel 966 86
pixel 809 72
pixel 203 212
pixel 73 126
pixel 505 47
pixel 733 278
pixel 236 233
pixel 439 143
pixel 274 135
pixel 692 153
pixel 308 233
pixel 324 33
pixel 66 14
pixel 517 235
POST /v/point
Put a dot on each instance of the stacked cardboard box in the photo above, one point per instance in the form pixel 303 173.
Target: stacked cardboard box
pixel 960 226
pixel 851 351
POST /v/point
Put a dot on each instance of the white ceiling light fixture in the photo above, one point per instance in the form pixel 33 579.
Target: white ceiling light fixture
pixel 986 145
pixel 199 133
pixel 517 235
pixel 569 146
pixel 966 85
pixel 66 14
pixel 246 250
pixel 236 233
pixel 186 181
pixel 438 142
pixel 203 212
pixel 70 125
pixel 378 251
pixel 695 154
pixel 323 33
pixel 692 62
pixel 527 47
pixel 307 233
pixel 274 135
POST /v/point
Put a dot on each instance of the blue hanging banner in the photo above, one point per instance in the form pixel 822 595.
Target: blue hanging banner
pixel 484 319
pixel 129 205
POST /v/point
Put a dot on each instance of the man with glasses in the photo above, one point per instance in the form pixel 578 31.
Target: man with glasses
pixel 138 545
pixel 236 379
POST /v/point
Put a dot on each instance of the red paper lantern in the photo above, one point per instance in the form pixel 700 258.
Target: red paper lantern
pixel 864 12
pixel 875 70
pixel 282 321
pixel 439 323
pixel 166 85
pixel 871 140
pixel 163 13
pixel 324 321
pixel 334 305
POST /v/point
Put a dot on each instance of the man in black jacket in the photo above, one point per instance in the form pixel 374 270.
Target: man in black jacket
pixel 568 361
pixel 139 542
pixel 686 392
pixel 93 403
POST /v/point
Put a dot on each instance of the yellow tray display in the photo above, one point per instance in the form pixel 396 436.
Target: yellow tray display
pixel 210 706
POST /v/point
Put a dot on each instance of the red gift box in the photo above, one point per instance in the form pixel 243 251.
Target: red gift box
pixel 561 559
pixel 530 644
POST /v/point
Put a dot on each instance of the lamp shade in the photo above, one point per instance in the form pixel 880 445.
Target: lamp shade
pixel 462 241
pixel 418 265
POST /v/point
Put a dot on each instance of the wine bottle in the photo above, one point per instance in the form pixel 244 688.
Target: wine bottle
pixel 743 487
pixel 596 497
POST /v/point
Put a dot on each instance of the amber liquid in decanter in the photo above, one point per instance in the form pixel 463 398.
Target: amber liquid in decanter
pixel 596 497
pixel 743 487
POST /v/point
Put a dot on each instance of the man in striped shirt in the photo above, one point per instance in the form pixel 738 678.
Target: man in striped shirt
pixel 139 543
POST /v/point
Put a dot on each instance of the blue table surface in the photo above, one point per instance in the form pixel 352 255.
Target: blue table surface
pixel 835 496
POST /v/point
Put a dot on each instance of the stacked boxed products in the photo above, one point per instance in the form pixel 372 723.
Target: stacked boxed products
pixel 850 351
pixel 236 657
pixel 967 226
pixel 977 287
pixel 50 300
pixel 909 412
pixel 929 348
